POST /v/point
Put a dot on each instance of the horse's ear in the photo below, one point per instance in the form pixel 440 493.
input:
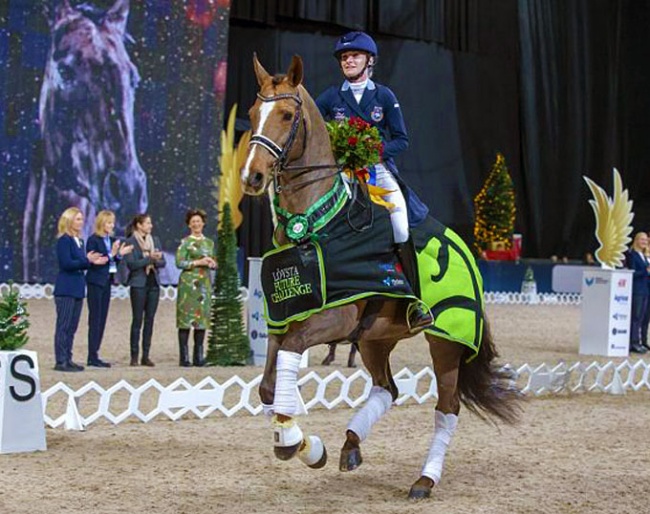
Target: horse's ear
pixel 294 74
pixel 260 72
pixel 62 10
pixel 117 15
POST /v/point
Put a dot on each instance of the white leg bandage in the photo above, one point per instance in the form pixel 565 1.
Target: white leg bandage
pixel 398 215
pixel 377 404
pixel 444 431
pixel 286 384
pixel 268 410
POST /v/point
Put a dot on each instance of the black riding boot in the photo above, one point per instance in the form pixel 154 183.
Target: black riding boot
pixel 199 336
pixel 418 317
pixel 183 350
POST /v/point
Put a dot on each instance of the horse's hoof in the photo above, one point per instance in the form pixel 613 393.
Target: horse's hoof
pixel 313 453
pixel 322 461
pixel 419 493
pixel 421 490
pixel 286 452
pixel 350 459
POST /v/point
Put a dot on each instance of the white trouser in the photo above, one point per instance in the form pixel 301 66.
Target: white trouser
pixel 398 214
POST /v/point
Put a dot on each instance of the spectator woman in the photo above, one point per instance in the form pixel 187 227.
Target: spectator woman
pixel 195 257
pixel 70 286
pixel 143 264
pixel 637 261
pixel 99 279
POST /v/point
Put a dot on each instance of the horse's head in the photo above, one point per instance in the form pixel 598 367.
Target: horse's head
pixel 86 109
pixel 88 61
pixel 275 119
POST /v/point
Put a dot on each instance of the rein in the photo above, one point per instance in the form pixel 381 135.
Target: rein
pixel 281 154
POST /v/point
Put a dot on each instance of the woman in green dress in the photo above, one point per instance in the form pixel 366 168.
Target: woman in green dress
pixel 195 257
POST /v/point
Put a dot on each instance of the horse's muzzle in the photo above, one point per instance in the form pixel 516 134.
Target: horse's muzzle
pixel 255 183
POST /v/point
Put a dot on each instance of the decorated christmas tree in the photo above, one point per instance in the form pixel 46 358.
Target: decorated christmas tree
pixel 494 208
pixel 13 321
pixel 228 343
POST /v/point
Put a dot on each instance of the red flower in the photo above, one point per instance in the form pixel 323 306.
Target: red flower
pixel 352 141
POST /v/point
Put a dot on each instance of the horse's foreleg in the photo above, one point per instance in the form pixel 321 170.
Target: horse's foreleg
pixel 378 403
pixel 288 437
pixel 446 358
pixel 267 386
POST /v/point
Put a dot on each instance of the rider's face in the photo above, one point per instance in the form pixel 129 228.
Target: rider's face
pixel 352 63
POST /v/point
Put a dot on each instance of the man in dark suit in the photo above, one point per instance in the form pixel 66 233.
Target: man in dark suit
pixel 636 260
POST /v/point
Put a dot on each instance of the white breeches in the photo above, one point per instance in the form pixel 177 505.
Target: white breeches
pixel 398 215
pixel 444 431
pixel 378 403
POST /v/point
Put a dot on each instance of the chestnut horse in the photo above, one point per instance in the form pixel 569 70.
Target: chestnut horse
pixel 290 151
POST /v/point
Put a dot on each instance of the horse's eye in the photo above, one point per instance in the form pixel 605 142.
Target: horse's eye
pixel 287 116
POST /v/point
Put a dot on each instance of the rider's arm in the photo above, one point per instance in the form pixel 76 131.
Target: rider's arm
pixel 399 140
pixel 323 104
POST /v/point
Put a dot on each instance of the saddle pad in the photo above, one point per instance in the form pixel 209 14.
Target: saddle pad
pixel 293 280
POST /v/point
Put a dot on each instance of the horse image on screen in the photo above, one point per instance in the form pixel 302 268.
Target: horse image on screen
pixel 87 128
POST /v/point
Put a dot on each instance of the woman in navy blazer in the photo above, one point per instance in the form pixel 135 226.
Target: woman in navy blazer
pixel 70 286
pixel 636 260
pixel 99 279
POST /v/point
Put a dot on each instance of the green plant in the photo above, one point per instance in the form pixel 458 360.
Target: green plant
pixel 13 321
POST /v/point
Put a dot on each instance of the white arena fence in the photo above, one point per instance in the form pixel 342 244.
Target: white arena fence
pixel 40 291
pixel 238 396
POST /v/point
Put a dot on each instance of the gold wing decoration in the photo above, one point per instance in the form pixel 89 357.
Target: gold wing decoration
pixel 231 160
pixel 613 221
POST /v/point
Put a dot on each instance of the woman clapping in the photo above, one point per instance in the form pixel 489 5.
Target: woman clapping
pixel 70 286
pixel 143 264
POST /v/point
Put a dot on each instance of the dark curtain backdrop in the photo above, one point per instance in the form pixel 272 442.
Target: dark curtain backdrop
pixel 560 88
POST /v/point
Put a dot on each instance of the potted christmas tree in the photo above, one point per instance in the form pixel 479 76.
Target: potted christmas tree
pixel 228 343
pixel 13 321
pixel 495 214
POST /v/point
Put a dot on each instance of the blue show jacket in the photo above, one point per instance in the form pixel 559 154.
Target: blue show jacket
pixel 379 107
pixel 70 280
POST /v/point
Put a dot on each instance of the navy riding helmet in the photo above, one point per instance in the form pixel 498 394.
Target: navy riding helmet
pixel 355 41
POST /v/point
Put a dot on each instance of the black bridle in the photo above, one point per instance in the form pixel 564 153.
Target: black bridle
pixel 281 154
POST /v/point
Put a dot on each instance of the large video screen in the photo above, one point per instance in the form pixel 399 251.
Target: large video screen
pixel 106 104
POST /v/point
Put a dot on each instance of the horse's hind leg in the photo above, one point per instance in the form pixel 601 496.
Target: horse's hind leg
pixel 375 356
pixel 446 361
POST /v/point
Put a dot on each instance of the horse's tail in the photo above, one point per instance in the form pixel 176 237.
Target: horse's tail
pixel 486 388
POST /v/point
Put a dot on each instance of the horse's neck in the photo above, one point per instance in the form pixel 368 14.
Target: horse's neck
pixel 318 151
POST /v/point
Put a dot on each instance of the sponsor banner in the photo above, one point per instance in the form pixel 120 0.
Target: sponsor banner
pixel 257 330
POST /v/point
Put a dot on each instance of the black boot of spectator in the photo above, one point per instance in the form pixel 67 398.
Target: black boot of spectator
pixel 183 349
pixel 199 336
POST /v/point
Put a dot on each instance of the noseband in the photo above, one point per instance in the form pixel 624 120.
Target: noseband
pixel 281 154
